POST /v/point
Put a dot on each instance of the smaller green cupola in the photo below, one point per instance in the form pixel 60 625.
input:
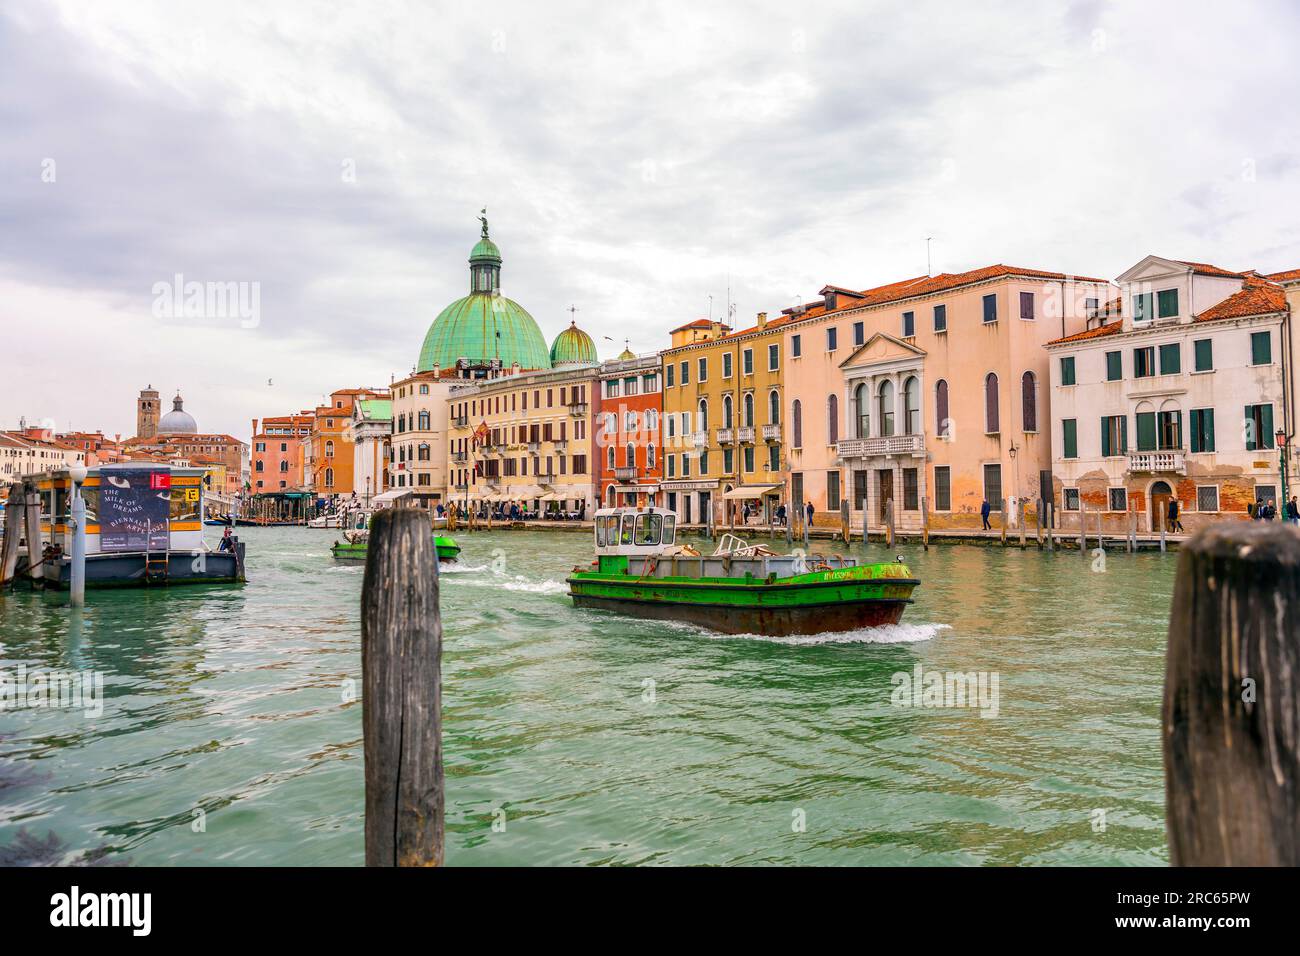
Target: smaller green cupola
pixel 573 347
pixel 485 262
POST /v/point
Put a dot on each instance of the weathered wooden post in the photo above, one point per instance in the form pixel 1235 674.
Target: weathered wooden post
pixel 844 520
pixel 1020 520
pixel 32 521
pixel 401 664
pixel 1083 525
pixel 865 536
pixel 1003 521
pixel 1231 705
pixel 1051 520
pixel 1038 523
pixel 1162 530
pixel 889 523
pixel 925 523
pixel 13 531
pixel 789 528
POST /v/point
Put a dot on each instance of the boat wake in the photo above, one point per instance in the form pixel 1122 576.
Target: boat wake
pixel 886 634
pixel 519 584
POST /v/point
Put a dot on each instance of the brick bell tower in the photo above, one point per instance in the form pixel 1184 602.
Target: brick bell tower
pixel 146 413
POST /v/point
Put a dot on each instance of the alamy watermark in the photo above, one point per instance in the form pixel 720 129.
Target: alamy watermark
pixel 181 299
pixel 21 689
pixel 977 690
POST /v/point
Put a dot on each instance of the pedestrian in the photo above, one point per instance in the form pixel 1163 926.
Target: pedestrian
pixel 1175 526
pixel 1270 510
pixel 809 510
pixel 1293 511
pixel 985 508
pixel 780 514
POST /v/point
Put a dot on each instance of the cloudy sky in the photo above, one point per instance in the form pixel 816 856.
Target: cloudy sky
pixel 635 158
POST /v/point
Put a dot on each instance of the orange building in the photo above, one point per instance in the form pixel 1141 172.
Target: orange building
pixel 328 463
pixel 278 452
pixel 630 402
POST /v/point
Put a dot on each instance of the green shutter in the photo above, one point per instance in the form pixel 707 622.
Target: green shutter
pixel 1261 348
pixel 1168 303
pixel 1266 417
pixel 1067 370
pixel 1070 435
pixel 1207 423
pixel 1204 355
pixel 1171 359
pixel 1146 424
pixel 1114 366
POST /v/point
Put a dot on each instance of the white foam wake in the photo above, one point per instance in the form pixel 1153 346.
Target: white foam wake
pixel 885 634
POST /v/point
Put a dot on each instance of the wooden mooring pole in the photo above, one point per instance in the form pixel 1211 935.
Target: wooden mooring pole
pixel 844 520
pixel 13 531
pixel 889 523
pixel 1231 702
pixel 401 665
pixel 925 523
pixel 32 529
pixel 1002 514
pixel 1020 520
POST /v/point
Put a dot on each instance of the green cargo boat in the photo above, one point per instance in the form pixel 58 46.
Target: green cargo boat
pixel 355 550
pixel 740 589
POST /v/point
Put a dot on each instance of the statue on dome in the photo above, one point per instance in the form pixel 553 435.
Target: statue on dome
pixel 483 219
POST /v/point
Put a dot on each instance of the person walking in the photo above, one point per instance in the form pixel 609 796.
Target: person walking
pixel 1270 510
pixel 780 514
pixel 1175 526
pixel 1292 511
pixel 985 508
pixel 809 510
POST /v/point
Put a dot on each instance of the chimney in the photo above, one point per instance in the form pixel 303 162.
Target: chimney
pixel 716 328
pixel 254 431
pixel 830 300
pixel 762 319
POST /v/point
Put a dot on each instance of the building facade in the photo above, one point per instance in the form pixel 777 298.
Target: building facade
pixel 1179 390
pixel 330 459
pixel 419 441
pixel 369 432
pixel 276 461
pixel 928 392
pixel 629 449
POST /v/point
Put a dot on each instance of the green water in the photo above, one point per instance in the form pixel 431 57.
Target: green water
pixel 598 739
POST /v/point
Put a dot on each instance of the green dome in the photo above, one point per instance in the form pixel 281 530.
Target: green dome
pixel 485 249
pixel 626 355
pixel 573 347
pixel 482 327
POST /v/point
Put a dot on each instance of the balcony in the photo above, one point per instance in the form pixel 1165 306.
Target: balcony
pixel 771 433
pixel 545 477
pixel 460 421
pixel 577 409
pixel 1172 461
pixel 461 487
pixel 459 457
pixel 747 435
pixel 700 439
pixel 726 436
pixel 875 447
pixel 561 444
pixel 625 474
pixel 534 447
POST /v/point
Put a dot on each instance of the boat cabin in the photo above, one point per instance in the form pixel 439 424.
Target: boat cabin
pixel 129 506
pixel 623 533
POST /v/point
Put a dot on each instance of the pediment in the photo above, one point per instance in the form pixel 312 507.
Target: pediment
pixel 1152 267
pixel 880 349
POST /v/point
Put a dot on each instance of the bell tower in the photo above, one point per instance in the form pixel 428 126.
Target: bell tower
pixel 146 413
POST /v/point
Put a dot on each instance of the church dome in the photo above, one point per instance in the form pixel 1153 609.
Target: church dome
pixel 573 347
pixel 484 326
pixel 626 355
pixel 177 421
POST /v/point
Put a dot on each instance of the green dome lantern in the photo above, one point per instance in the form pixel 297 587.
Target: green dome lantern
pixel 573 347
pixel 484 327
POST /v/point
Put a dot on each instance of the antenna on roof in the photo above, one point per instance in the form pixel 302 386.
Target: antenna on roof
pixel 928 271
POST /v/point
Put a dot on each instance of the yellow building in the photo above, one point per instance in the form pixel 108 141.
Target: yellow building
pixel 722 421
pixel 523 437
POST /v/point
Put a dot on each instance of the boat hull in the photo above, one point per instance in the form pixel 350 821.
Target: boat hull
pixel 840 600
pixel 128 570
pixel 344 551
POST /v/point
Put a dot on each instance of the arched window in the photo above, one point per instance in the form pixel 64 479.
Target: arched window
pixel 749 410
pixel 424 452
pixel 611 458
pixel 912 406
pixel 424 421
pixel 631 455
pixel 862 407
pixel 329 477
pixel 704 415
pixel 284 466
pixel 832 419
pixel 941 419
pixel 726 411
pixel 1029 401
pixel 773 408
pixel 796 424
pixel 329 449
pixel 652 420
pixel 886 408
pixel 991 421
pixel 629 422
pixel 258 466
pixel 649 456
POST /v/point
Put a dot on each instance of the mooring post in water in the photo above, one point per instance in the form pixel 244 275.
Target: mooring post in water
pixel 1231 706
pixel 925 523
pixel 889 522
pixel 1038 523
pixel 1162 530
pixel 866 536
pixel 844 519
pixel 13 531
pixel 401 663
pixel 1020 520
pixel 1051 519
pixel 1083 525
pixel 77 570
pixel 1002 514
pixel 32 518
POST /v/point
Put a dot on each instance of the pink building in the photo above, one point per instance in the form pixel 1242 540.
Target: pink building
pixel 932 389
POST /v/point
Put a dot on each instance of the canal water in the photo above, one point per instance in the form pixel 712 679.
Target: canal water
pixel 231 730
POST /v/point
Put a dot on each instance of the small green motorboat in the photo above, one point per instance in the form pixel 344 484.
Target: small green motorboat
pixel 354 545
pixel 740 589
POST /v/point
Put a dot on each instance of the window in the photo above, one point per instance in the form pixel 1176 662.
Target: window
pixel 1204 349
pixel 832 339
pixel 774 407
pixel 796 346
pixel 704 462
pixel 258 465
pixel 1146 427
pixel 1070 438
pixel 1261 348
pixel 1142 307
pixel 1169 430
pixel 912 406
pixel 686 466
pixel 832 491
pixel 672 465
pixel 726 411
pixel 749 458
pixel 704 415
pixel 911 499
pixel 1144 362
pixel 1114 435
pixel 832 420
pixel 1171 359
pixel 1167 303
pixel 1114 366
pixel 686 373
pixel 703 374
pixel 1201 421
pixel 652 419
pixel 630 458
pixel 649 457
pixel 773 357
pixel 909 324
pixel 773 457
pixel 1207 498
pixel 1067 370
pixel 991 422
pixel 886 399
pixel 859 333
pixel 748 419
pixel 1118 499
pixel 424 389
pixel 1259 427
pixel 942 422
pixel 747 361
pixel 993 486
pixel 1029 401
pixel 991 307
pixel 1070 499
pixel 940 318
pixel 726 364
pixel 329 450
pixel 942 488
pixel 1026 305
pixel 668 375
pixel 796 420
pixel 612 463
pixel 728 456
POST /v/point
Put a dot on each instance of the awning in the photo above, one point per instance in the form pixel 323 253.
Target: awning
pixel 391 497
pixel 753 492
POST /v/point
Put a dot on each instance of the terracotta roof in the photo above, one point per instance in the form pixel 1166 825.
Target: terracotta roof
pixel 930 285
pixel 1205 269
pixel 1289 275
pixel 1094 333
pixel 697 324
pixel 1257 297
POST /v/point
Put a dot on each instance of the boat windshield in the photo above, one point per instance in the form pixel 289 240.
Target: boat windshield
pixel 648 529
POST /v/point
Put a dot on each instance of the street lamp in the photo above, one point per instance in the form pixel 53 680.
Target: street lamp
pixel 1280 435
